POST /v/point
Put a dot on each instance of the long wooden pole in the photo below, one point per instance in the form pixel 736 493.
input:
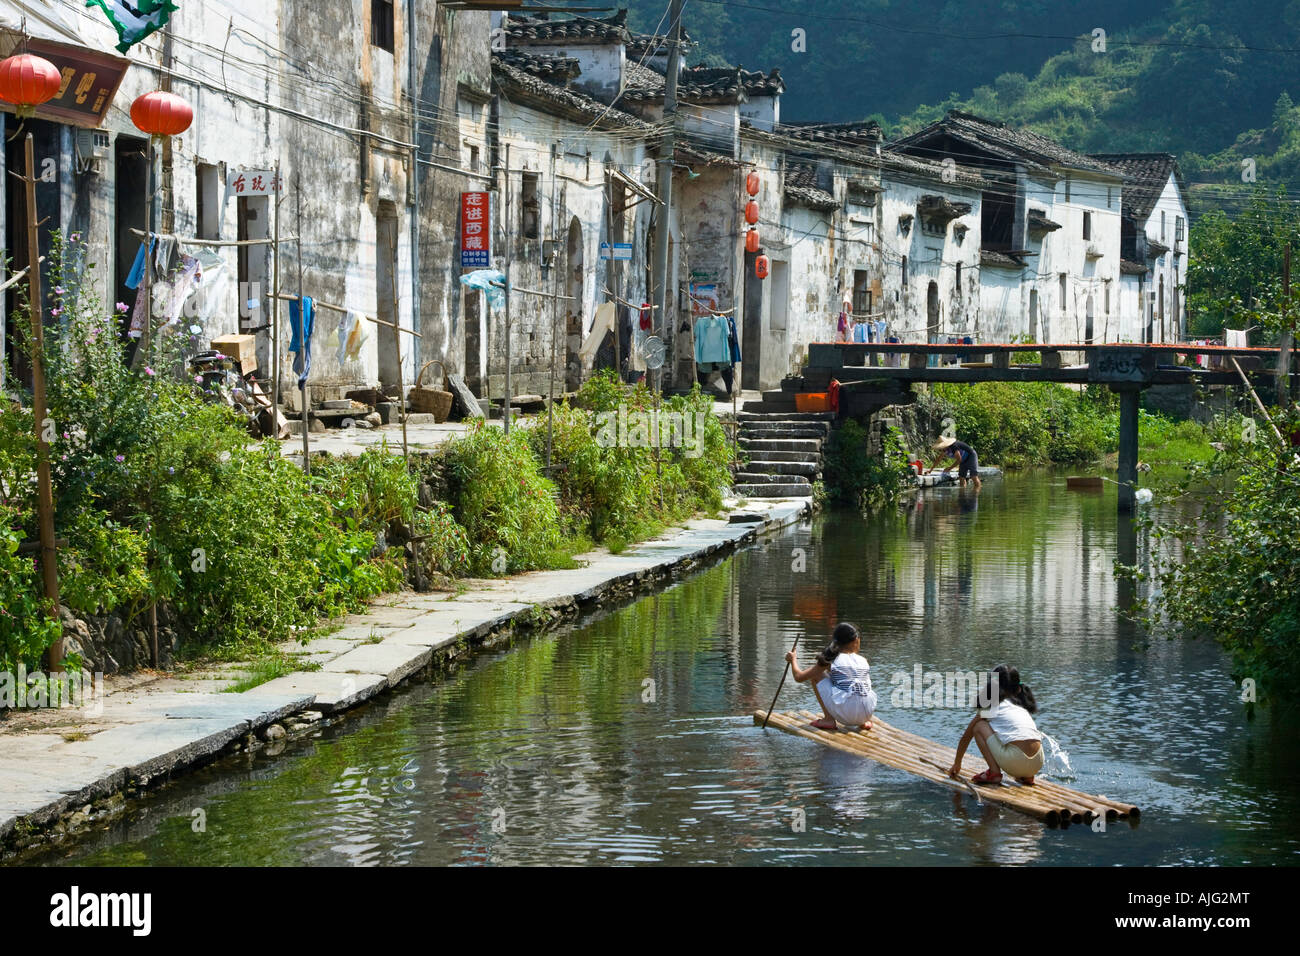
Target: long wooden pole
pixel 302 322
pixel 275 305
pixel 780 685
pixel 505 237
pixel 44 487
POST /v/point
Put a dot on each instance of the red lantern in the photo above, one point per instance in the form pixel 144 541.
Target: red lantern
pixel 751 184
pixel 27 81
pixel 761 267
pixel 751 212
pixel 161 114
pixel 751 241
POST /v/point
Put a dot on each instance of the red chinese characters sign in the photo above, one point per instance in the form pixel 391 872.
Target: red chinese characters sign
pixel 90 81
pixel 253 182
pixel 475 230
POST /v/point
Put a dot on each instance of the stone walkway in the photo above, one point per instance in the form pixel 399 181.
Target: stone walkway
pixel 56 763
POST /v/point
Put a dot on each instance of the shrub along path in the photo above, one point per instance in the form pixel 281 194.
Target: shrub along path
pixel 65 768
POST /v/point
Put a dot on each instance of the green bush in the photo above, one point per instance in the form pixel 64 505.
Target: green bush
pixel 853 476
pixel 1233 572
pixel 26 628
pixel 498 494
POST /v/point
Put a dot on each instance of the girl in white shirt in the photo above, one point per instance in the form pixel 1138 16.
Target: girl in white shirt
pixel 841 680
pixel 1004 731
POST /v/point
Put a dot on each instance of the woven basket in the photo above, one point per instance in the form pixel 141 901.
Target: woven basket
pixel 433 401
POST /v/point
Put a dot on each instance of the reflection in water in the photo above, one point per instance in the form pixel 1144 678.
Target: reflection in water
pixel 553 751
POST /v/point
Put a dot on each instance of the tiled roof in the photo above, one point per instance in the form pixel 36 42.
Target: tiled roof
pixel 1001 142
pixel 552 69
pixel 701 83
pixel 525 85
pixel 1130 268
pixel 1145 176
pixel 865 133
pixel 642 83
pixel 1038 222
pixel 652 45
pixel 933 171
pixel 999 260
pixel 710 83
pixel 801 187
pixel 540 28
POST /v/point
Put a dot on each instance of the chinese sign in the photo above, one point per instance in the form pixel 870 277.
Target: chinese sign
pixel 90 81
pixel 475 230
pixel 253 182
pixel 1106 365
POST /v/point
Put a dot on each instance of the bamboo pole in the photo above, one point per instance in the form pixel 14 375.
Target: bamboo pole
pixel 275 308
pixel 302 321
pixel 44 486
pixel 397 344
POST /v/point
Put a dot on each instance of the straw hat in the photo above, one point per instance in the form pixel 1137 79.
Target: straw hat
pixel 943 443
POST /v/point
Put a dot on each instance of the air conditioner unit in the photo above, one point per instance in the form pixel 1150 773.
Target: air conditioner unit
pixel 92 147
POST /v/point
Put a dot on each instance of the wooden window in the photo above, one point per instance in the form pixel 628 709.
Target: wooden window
pixel 904 270
pixel 1178 229
pixel 381 24
pixel 1087 226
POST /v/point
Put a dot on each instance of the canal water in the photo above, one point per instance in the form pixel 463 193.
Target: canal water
pixel 628 736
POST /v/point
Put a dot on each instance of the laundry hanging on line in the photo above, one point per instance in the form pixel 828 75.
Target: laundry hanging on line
pixel 300 343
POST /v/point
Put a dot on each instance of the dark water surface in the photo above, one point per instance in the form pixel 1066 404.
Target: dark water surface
pixel 559 750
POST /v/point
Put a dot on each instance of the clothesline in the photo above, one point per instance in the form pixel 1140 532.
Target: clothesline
pixel 339 308
pixel 19 275
pixel 187 241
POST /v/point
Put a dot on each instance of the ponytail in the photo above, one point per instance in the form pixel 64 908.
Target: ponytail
pixel 1010 688
pixel 843 635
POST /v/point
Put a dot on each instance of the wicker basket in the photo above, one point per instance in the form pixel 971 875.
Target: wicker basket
pixel 434 401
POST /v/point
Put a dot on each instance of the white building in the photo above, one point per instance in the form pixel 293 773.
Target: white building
pixel 1155 246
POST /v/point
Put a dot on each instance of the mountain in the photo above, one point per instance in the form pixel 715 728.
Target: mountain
pixel 1197 78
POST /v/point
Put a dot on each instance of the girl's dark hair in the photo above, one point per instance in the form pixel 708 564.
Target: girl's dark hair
pixel 1008 687
pixel 843 635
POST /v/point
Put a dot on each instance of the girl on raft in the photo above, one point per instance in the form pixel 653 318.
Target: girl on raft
pixel 1003 730
pixel 841 680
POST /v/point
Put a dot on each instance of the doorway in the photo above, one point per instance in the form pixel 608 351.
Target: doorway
pixel 1087 321
pixel 1033 315
pixel 573 323
pixel 385 286
pixel 751 332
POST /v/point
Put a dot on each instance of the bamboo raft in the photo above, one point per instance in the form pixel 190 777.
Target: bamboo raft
pixel 1050 802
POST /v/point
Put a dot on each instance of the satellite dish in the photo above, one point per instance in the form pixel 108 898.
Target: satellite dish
pixel 653 351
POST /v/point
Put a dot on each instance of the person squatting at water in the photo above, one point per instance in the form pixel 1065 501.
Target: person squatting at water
pixel 964 460
pixel 1004 731
pixel 841 680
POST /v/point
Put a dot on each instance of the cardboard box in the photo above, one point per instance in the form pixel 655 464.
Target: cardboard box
pixel 241 348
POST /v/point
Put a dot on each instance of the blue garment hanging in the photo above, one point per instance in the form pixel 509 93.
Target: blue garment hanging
pixel 300 344
pixel 711 340
pixel 136 275
pixel 733 341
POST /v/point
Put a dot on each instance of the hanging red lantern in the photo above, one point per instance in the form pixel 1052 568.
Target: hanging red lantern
pixel 761 267
pixel 751 184
pixel 751 212
pixel 751 241
pixel 27 81
pixel 161 114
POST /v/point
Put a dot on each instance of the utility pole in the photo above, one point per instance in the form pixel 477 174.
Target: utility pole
pixel 667 147
pixel 44 488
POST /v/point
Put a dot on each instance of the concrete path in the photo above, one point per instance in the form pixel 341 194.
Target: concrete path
pixel 56 763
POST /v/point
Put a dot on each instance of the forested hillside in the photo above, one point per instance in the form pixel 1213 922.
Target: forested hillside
pixel 1193 77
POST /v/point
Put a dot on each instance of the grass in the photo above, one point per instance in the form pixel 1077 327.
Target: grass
pixel 263 670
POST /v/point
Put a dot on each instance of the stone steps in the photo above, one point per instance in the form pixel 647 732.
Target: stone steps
pixel 745 417
pixel 773 491
pixel 810 468
pixel 785 429
pixel 762 478
pixel 752 445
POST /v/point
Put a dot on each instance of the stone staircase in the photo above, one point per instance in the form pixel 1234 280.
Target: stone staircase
pixel 785 453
